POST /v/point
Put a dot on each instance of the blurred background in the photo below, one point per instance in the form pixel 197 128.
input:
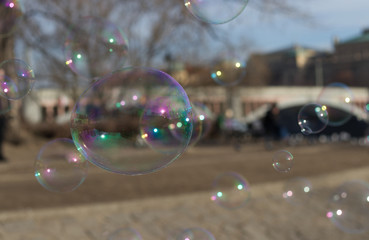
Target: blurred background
pixel 250 77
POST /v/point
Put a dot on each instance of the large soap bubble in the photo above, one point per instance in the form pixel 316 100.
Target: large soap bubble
pixel 349 207
pixel 133 121
pixel 59 167
pixel 16 79
pixel 216 11
pixel 95 47
pixel 228 70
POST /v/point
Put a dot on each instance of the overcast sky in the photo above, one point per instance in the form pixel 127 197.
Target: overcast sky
pixel 343 19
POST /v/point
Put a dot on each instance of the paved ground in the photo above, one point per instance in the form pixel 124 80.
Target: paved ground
pixel 178 197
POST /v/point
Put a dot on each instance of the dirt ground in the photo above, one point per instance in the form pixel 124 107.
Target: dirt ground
pixel 194 171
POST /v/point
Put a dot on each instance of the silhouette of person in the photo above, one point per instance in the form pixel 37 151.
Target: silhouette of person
pixel 271 126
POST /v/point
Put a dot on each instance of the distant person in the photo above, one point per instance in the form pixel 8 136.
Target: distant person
pixel 271 126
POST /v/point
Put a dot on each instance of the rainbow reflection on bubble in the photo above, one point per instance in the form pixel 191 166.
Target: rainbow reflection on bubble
pixel 95 47
pixel 195 234
pixel 282 161
pixel 59 167
pixel 133 121
pixel 216 11
pixel 125 234
pixel 16 79
pixel 230 190
pixel 348 207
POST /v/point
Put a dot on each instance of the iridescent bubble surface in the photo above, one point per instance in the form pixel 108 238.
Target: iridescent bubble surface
pixel 133 121
pixel 313 118
pixel 338 99
pixel 59 167
pixel 16 79
pixel 95 47
pixel 348 207
pixel 230 190
pixel 195 234
pixel 297 191
pixel 125 234
pixel 228 70
pixel 216 11
pixel 10 11
pixel 282 161
pixel 202 122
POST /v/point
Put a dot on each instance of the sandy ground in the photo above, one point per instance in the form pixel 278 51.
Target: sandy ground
pixel 159 204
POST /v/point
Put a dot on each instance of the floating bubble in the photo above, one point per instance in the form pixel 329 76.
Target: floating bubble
pixel 16 79
pixel 230 190
pixel 297 191
pixel 95 47
pixel 195 234
pixel 133 121
pixel 312 118
pixel 10 11
pixel 125 234
pixel 228 70
pixel 202 122
pixel 59 167
pixel 282 161
pixel 348 208
pixel 216 11
pixel 337 98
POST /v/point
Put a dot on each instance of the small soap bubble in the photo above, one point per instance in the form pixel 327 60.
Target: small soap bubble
pixel 348 207
pixel 95 47
pixel 125 234
pixel 133 121
pixel 216 11
pixel 297 191
pixel 230 190
pixel 312 118
pixel 16 79
pixel 228 70
pixel 283 161
pixel 195 234
pixel 337 99
pixel 59 167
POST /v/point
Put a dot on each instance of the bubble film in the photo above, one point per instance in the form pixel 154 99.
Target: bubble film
pixel 10 11
pixel 282 161
pixel 195 234
pixel 16 79
pixel 202 122
pixel 313 118
pixel 59 167
pixel 348 207
pixel 95 47
pixel 133 121
pixel 228 70
pixel 216 12
pixel 337 98
pixel 125 234
pixel 297 191
pixel 230 190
